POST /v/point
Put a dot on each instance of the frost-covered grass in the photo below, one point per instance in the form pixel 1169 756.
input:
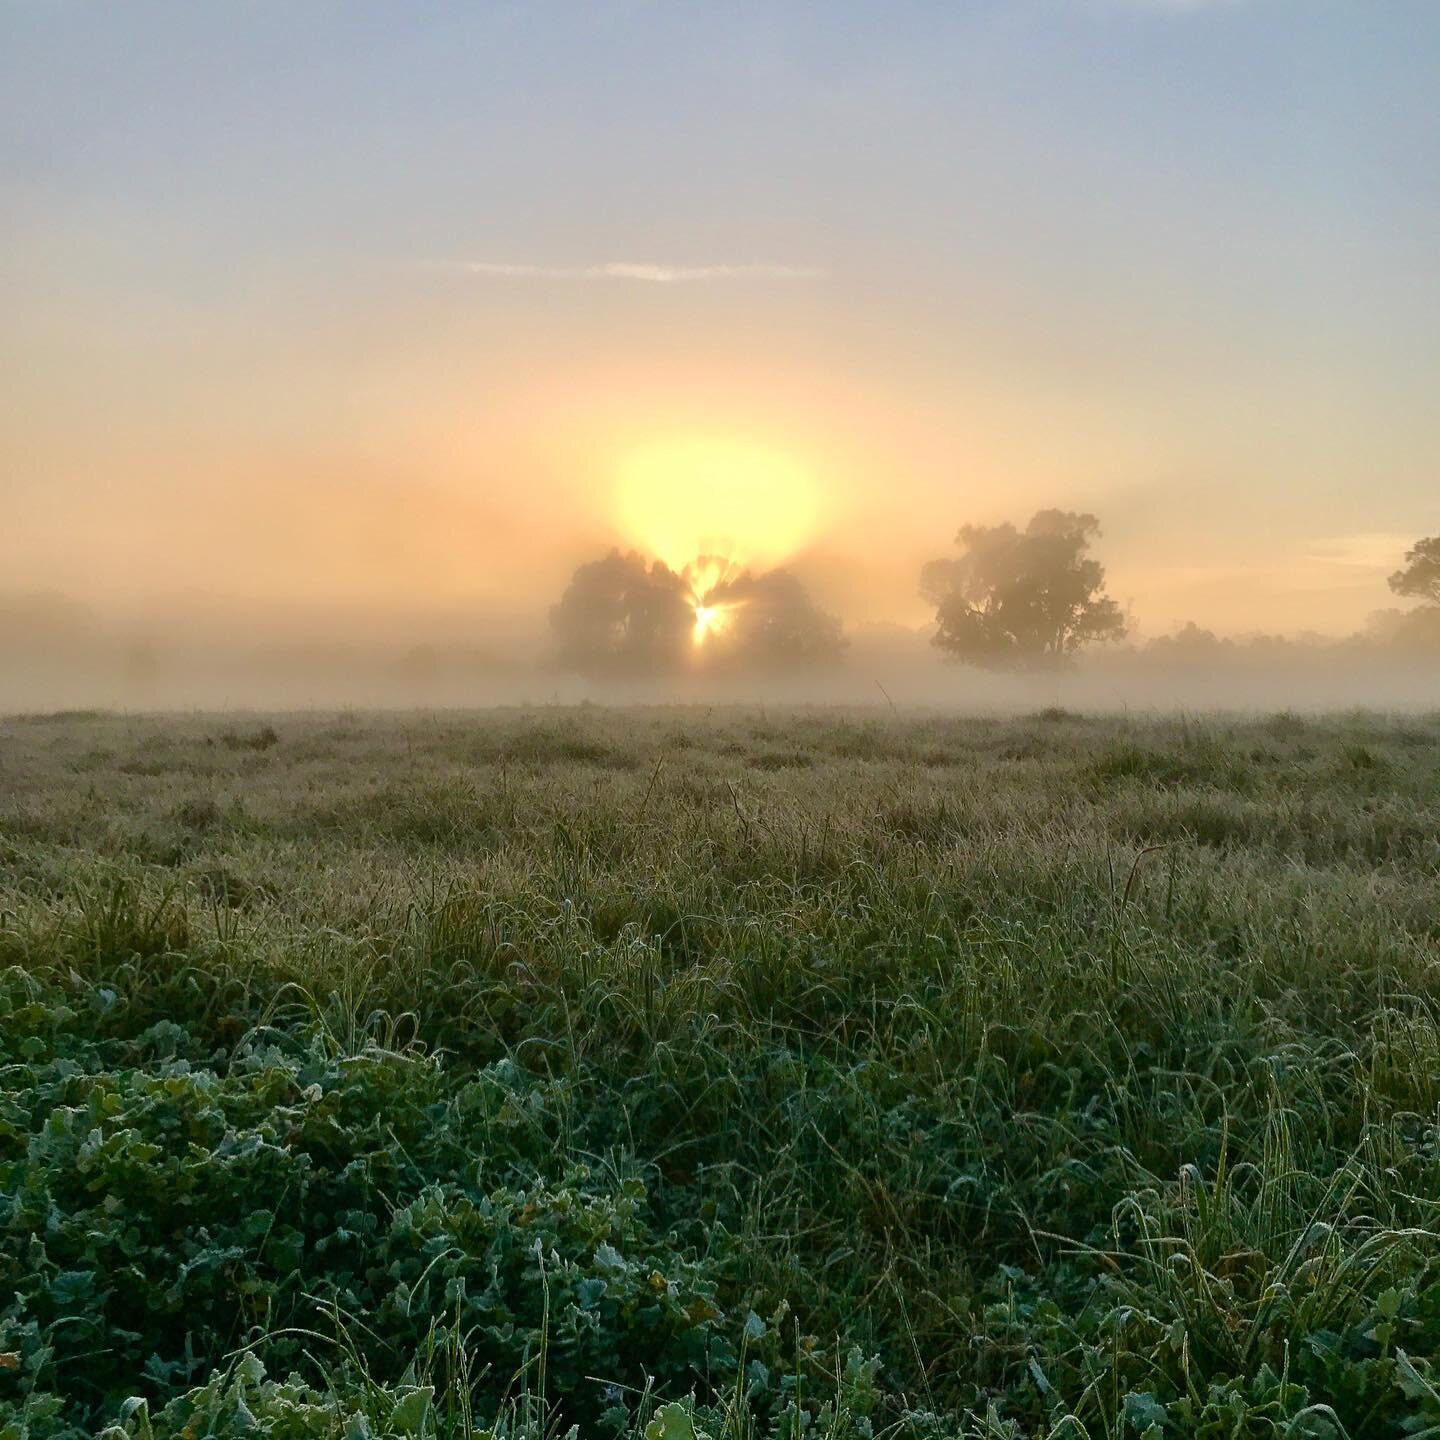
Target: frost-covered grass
pixel 725 1073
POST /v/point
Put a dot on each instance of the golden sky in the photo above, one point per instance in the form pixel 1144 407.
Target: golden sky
pixel 403 311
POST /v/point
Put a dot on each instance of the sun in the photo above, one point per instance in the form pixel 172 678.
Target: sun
pixel 708 618
pixel 688 496
pixel 712 620
pixel 705 578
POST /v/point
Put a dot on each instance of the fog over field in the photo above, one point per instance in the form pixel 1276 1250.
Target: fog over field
pixel 56 655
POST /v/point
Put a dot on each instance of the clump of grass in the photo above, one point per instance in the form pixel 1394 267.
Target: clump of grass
pixel 1361 757
pixel 263 737
pixel 198 812
pixel 1197 762
pixel 1286 724
pixel 780 760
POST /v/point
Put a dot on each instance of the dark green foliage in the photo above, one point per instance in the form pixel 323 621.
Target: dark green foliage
pixel 730 1076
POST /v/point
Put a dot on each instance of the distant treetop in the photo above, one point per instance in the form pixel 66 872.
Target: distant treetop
pixel 1420 579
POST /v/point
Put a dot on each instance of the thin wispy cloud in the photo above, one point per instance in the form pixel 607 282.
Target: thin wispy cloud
pixel 1368 550
pixel 1173 7
pixel 645 272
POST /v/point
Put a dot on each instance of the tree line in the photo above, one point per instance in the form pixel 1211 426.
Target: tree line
pixel 1010 599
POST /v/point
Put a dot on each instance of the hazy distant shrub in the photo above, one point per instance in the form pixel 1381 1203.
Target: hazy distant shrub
pixel 61 717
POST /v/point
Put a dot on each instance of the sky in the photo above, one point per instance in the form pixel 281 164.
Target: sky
pixel 390 314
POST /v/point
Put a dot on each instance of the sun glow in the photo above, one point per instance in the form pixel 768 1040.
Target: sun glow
pixel 705 576
pixel 685 497
pixel 708 619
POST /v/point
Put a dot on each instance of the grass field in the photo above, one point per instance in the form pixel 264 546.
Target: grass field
pixel 722 1074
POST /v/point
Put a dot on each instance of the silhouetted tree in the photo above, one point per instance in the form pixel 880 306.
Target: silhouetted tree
pixel 771 622
pixel 620 616
pixel 1420 579
pixel 1416 629
pixel 1022 598
pixel 624 616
